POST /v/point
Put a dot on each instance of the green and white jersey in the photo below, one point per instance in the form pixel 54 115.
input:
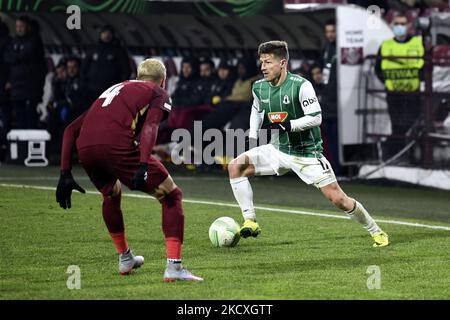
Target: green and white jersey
pixel 293 99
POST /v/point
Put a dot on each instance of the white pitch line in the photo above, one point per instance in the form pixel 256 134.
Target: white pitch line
pixel 224 204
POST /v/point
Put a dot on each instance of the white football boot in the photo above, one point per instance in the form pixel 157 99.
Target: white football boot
pixel 173 274
pixel 128 261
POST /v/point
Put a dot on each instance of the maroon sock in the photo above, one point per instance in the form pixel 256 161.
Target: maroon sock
pixel 172 215
pixel 112 214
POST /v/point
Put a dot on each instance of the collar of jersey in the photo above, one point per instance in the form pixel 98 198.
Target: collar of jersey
pixel 278 86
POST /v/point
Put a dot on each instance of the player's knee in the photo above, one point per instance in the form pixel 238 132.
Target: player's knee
pixel 117 189
pixel 338 199
pixel 173 197
pixel 236 168
pixel 176 193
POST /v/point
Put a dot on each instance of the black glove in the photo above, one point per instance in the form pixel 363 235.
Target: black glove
pixel 140 177
pixel 64 189
pixel 282 126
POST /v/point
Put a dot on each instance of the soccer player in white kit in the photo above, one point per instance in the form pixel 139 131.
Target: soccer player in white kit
pixel 290 104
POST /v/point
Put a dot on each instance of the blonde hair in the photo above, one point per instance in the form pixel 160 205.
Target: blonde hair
pixel 151 69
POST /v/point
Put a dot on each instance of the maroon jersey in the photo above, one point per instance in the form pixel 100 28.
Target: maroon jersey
pixel 117 116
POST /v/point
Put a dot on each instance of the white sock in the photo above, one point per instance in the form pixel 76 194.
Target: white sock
pixel 243 193
pixel 360 215
pixel 174 264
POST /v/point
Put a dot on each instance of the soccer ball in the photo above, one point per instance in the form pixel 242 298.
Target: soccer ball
pixel 224 232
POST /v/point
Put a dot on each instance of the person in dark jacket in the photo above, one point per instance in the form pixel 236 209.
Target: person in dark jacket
pixel 235 107
pixel 68 101
pixel 73 90
pixel 186 91
pixel 58 108
pixel 207 79
pixel 329 96
pixel 317 81
pixel 316 78
pixel 26 59
pixel 223 84
pixel 5 108
pixel 106 64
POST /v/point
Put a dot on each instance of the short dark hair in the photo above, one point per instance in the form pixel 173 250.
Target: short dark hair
pixel 61 63
pixel 107 27
pixel 316 65
pixel 25 19
pixel 205 60
pixel 402 14
pixel 275 47
pixel 330 22
pixel 73 58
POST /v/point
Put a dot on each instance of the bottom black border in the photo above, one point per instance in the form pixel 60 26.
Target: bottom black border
pixel 225 309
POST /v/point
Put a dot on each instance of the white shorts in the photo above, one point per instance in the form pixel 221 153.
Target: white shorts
pixel 270 161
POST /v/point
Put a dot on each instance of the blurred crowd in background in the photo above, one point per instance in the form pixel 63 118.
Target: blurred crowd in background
pixel 38 92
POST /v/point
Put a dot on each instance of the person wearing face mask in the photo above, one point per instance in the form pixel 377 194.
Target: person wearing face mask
pixel 401 78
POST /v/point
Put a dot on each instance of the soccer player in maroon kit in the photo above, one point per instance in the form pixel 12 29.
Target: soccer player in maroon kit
pixel 105 138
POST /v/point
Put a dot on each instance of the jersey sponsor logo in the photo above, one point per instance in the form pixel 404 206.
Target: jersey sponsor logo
pixel 277 116
pixel 286 99
pixel 308 101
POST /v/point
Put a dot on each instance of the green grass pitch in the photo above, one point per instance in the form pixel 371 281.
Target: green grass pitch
pixel 295 257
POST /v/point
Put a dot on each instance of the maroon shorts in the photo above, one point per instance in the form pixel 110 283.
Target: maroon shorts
pixel 106 164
